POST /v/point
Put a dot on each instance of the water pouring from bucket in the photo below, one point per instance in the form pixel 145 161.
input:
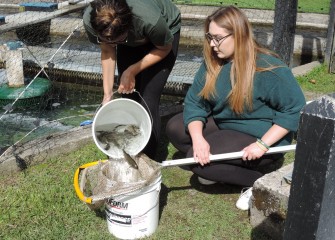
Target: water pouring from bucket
pixel 121 124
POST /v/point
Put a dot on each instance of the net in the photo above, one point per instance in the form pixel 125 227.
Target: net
pixel 111 178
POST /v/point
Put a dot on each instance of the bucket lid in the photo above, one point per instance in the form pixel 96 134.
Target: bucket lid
pixel 121 124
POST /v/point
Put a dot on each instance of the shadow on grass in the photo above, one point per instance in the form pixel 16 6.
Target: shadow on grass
pixel 217 189
pixel 260 233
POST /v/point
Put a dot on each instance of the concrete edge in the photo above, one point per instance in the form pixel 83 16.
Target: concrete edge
pixel 21 156
pixel 304 69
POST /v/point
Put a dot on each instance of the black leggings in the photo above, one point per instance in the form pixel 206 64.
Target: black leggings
pixel 237 171
pixel 149 83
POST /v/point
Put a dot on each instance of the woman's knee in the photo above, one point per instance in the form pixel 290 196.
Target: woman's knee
pixel 175 131
pixel 174 126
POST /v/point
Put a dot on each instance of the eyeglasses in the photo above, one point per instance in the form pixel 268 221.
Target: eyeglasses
pixel 217 40
pixel 108 41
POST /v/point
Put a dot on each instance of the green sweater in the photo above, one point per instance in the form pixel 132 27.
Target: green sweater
pixel 277 99
pixel 154 21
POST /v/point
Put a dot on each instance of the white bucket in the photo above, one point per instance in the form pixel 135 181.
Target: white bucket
pixel 122 111
pixel 135 215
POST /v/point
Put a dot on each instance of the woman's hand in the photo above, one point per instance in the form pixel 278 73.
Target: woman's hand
pixel 256 150
pixel 252 152
pixel 201 151
pixel 200 145
pixel 127 81
pixel 106 99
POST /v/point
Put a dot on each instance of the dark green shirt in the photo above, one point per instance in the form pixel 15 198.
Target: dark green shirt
pixel 154 21
pixel 277 99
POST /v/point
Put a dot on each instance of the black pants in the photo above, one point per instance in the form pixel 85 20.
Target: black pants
pixel 235 171
pixel 149 83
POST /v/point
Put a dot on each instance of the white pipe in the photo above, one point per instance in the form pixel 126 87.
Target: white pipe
pixel 62 4
pixel 225 156
pixel 73 2
pixel 14 6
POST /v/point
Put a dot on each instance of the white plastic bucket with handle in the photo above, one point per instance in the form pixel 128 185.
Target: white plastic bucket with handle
pixel 122 111
pixel 134 215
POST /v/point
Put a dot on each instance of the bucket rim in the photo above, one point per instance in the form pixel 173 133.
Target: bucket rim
pixel 144 114
pixel 146 189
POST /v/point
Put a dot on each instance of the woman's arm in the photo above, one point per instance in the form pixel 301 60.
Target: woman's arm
pixel 274 134
pixel 108 70
pixel 255 151
pixel 127 82
pixel 282 92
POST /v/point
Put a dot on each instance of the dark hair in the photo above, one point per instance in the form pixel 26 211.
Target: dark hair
pixel 110 18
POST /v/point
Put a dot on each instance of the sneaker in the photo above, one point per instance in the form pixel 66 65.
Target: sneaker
pixel 243 201
pixel 205 181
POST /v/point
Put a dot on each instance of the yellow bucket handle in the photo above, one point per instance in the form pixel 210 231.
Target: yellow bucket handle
pixel 79 193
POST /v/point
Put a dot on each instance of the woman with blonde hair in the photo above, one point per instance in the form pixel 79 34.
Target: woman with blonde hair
pixel 243 98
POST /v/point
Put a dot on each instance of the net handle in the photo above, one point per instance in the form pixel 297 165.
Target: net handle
pixel 225 156
pixel 79 193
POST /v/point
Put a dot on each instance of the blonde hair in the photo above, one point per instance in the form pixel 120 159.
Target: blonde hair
pixel 244 58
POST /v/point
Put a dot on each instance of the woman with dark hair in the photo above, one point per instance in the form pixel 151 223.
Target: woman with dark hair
pixel 243 98
pixel 143 38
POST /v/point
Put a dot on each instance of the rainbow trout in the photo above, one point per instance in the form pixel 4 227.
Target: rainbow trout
pixel 130 160
pixel 120 136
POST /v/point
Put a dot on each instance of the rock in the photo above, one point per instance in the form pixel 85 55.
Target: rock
pixel 269 202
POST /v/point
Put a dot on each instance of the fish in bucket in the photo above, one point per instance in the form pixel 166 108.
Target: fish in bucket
pixel 121 125
pixel 128 183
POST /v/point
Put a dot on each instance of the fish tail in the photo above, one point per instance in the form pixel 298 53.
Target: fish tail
pixel 130 160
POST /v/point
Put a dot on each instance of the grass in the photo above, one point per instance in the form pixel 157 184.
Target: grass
pixel 307 6
pixel 318 81
pixel 40 203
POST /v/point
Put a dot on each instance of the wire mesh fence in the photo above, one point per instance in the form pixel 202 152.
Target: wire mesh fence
pixel 50 74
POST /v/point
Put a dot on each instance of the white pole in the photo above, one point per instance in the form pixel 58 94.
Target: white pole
pixel 225 156
pixel 14 68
